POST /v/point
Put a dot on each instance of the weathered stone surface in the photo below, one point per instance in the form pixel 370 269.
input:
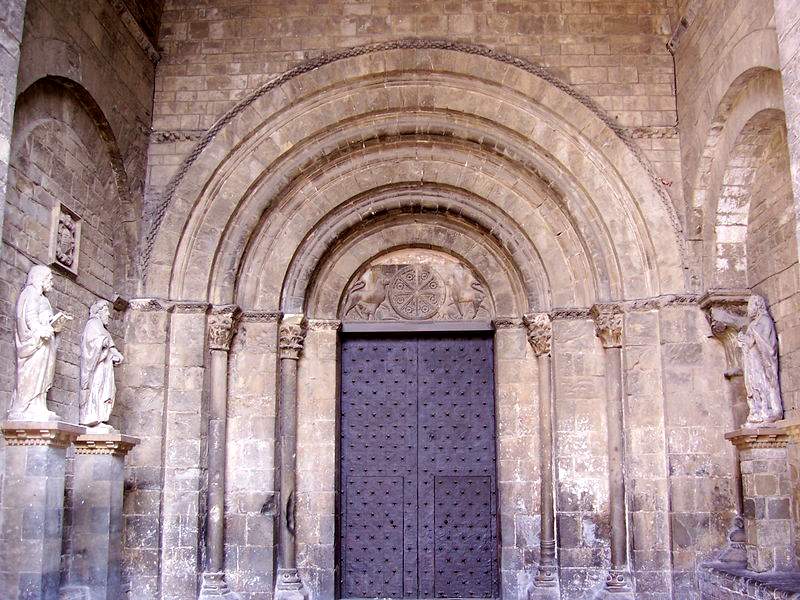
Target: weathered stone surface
pixel 296 150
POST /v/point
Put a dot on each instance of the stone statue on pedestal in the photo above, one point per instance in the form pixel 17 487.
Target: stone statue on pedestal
pixel 759 345
pixel 36 343
pixel 99 356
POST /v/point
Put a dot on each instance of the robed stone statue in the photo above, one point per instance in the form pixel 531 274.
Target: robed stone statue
pixel 99 356
pixel 36 343
pixel 759 345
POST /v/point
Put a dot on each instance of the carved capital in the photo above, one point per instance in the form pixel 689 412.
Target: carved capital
pixel 292 335
pixel 540 332
pixel 726 312
pixel 221 325
pixel 608 324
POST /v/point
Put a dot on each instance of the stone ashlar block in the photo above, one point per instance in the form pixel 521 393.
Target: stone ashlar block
pixel 33 513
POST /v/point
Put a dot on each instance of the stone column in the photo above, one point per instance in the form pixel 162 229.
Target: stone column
pixel 540 334
pixel 96 568
pixel 33 507
pixel 291 337
pixel 766 484
pixel 220 332
pixel 608 327
pixel 726 312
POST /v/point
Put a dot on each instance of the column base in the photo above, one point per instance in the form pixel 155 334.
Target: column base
pixel 535 592
pixel 735 553
pixel 618 586
pixel 290 586
pixel 215 586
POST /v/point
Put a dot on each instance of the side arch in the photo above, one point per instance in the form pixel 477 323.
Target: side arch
pixel 59 99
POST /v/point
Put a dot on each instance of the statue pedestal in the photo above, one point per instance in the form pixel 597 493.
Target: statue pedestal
pixel 767 491
pixel 33 507
pixel 95 571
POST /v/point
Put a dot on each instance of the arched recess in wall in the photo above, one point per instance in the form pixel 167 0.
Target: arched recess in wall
pixel 751 66
pixel 749 114
pixel 62 103
pixel 494 129
pixel 745 194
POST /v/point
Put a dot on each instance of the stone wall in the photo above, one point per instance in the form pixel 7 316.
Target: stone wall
pixel 81 105
pixel 699 459
pixel 12 17
pixel 65 150
pixel 215 54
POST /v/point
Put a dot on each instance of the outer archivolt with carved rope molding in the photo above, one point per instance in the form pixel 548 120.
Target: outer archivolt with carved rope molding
pixel 159 210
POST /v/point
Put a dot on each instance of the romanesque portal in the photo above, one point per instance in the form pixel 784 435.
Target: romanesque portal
pixel 398 299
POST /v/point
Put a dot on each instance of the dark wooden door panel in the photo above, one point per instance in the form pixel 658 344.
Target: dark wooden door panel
pixel 418 486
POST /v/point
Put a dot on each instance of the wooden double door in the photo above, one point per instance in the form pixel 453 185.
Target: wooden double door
pixel 417 510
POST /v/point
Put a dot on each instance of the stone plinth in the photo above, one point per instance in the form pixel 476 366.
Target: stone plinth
pixel 767 493
pixel 33 507
pixel 95 571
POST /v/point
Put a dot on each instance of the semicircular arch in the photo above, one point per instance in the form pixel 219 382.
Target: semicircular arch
pixel 572 138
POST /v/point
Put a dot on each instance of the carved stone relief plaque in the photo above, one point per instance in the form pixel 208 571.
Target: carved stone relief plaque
pixel 416 285
pixel 65 237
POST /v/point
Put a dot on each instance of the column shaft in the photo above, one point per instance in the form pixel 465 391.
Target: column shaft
pixel 547 562
pixel 292 336
pixel 616 481
pixel 220 332
pixel 288 437
pixel 215 532
pixel 540 335
pixel 608 327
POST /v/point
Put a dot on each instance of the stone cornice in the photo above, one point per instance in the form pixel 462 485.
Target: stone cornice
pixel 136 30
pixel 570 314
pixel 189 307
pixel 776 435
pixel 117 444
pixel 149 304
pixel 259 316
pixel 56 434
pixel 508 323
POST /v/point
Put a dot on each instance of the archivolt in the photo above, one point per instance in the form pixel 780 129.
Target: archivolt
pixel 515 271
pixel 393 231
pixel 608 198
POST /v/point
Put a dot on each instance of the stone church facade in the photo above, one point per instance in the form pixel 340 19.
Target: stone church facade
pixel 416 298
